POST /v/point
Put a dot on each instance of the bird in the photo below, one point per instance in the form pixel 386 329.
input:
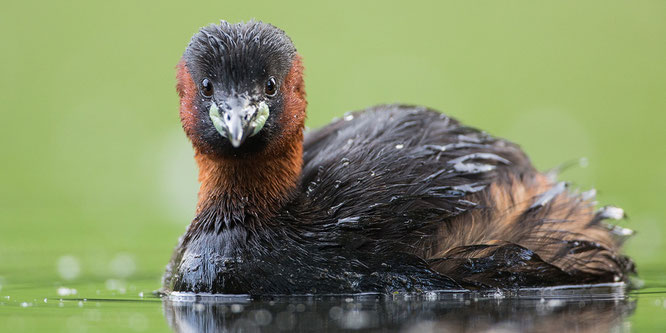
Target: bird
pixel 391 198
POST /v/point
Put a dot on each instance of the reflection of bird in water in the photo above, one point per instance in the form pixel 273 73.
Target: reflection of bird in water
pixel 390 198
pixel 601 309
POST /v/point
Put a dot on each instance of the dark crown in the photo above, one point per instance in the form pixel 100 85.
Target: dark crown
pixel 238 50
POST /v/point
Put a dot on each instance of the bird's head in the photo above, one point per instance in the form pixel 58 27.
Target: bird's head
pixel 241 89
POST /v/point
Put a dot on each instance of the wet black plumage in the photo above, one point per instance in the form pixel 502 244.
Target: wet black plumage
pixel 391 198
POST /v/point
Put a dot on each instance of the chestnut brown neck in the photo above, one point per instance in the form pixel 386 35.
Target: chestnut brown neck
pixel 260 184
pixel 257 186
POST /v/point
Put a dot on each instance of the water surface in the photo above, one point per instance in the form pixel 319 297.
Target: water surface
pixel 118 305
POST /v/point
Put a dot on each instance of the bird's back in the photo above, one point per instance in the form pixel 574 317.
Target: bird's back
pixel 401 179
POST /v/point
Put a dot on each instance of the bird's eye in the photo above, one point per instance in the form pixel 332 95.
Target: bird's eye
pixel 206 88
pixel 271 87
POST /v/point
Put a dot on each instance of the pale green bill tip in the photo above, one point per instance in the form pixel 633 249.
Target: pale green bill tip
pixel 259 120
pixel 214 114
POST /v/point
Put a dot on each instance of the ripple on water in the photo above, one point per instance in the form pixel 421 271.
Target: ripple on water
pixel 535 309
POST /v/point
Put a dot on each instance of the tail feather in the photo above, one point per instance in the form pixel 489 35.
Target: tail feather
pixel 536 230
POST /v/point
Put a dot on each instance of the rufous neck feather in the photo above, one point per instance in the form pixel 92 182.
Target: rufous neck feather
pixel 259 186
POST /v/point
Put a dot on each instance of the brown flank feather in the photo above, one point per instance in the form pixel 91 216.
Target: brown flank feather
pixel 564 232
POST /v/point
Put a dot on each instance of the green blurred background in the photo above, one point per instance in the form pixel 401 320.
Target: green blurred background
pixel 95 166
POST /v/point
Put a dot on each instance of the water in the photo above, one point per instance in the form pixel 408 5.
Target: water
pixel 117 305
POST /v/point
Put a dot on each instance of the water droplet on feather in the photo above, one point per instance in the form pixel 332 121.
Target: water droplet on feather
pixel 549 195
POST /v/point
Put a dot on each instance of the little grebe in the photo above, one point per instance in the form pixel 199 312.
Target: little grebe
pixel 391 198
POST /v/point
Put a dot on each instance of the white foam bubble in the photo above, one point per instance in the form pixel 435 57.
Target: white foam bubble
pixel 116 285
pixel 237 308
pixel 64 291
pixel 122 265
pixel 68 267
